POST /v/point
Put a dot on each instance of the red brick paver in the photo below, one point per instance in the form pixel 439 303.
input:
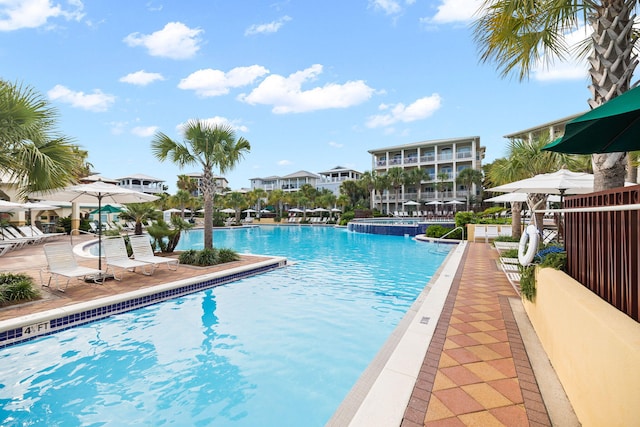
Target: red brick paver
pixel 476 371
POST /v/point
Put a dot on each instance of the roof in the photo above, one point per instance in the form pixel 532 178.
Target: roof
pixel 338 169
pixel 423 143
pixel 97 177
pixel 142 177
pixel 542 127
pixel 301 174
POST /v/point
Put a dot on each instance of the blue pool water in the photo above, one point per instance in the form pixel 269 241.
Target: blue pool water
pixel 279 349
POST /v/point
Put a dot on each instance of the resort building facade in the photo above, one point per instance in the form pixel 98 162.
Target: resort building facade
pixel 441 159
pixel 143 183
pixel 221 184
pixel 329 180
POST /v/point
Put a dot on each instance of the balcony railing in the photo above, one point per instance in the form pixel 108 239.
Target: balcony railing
pixel 464 155
pixel 428 159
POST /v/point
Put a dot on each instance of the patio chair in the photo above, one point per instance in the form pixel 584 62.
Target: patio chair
pixel 116 256
pixel 492 232
pixel 62 262
pixel 480 232
pixel 142 251
pixel 31 231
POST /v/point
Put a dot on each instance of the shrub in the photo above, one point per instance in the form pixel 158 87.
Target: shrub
pixel 346 217
pixel 438 231
pixel 528 281
pixel 227 255
pixel 207 257
pixel 510 253
pixel 17 287
pixel 188 257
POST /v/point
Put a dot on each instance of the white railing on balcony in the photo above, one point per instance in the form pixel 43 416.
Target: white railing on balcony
pixel 428 159
pixel 381 163
pixel 144 188
pixel 442 157
pixel 464 155
pixel 411 160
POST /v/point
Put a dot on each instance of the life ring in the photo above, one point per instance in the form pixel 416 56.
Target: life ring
pixel 530 234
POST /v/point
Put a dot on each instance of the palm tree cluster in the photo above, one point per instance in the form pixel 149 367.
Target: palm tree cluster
pixel 33 153
pixel 518 35
pixel 395 178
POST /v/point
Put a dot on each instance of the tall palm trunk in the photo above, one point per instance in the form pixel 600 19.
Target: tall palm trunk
pixel 612 65
pixel 207 188
pixel 516 219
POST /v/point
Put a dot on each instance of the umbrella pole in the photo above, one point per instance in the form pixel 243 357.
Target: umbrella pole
pixel 100 232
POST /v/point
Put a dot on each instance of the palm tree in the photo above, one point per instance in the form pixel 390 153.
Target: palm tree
pixel 237 201
pixel 187 184
pixel 209 146
pixel 467 177
pixel 380 183
pixel 260 194
pixel 442 185
pixel 181 200
pixel 525 160
pixel 276 198
pixel 415 177
pixel 32 152
pixel 139 213
pixel 516 35
pixel 395 176
pixel 367 180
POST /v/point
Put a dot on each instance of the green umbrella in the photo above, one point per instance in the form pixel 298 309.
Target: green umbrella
pixel 612 127
pixel 107 209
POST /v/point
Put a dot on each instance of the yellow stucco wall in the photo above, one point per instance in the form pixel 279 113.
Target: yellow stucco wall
pixel 594 348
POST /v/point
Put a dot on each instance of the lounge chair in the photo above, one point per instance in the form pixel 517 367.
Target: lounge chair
pixel 492 232
pixel 62 262
pixel 36 232
pixel 116 256
pixel 142 251
pixel 480 232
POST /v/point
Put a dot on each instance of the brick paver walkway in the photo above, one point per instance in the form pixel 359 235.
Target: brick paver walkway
pixel 476 371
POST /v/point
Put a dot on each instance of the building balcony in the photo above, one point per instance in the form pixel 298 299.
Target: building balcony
pixel 464 155
pixel 427 159
pixel 445 157
pixel 144 188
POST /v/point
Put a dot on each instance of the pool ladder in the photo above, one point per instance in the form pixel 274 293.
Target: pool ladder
pixel 441 238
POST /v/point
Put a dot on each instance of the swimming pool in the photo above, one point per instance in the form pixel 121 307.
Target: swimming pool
pixel 282 348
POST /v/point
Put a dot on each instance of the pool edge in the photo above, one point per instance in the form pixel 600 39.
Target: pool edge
pixel 382 393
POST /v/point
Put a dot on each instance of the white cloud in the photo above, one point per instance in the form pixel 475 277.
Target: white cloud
pixel 451 11
pixel 141 78
pixel 219 121
pixel 389 7
pixel 554 69
pixel 17 14
pixel 96 101
pixel 335 144
pixel 271 27
pixel 144 131
pixel 418 110
pixel 287 96
pixel 211 82
pixel 175 41
pixel 284 163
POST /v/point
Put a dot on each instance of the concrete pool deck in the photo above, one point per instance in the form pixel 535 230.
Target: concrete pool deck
pixel 470 359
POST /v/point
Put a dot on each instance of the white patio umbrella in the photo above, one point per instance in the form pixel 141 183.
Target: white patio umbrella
pixel 228 210
pixel 434 203
pixel 516 197
pixel 336 210
pixel 103 192
pixel 8 207
pixel 560 182
pixel 411 203
pixel 296 210
pixel 249 212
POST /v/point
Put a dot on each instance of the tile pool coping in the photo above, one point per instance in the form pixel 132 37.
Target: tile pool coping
pixel 382 393
pixel 31 326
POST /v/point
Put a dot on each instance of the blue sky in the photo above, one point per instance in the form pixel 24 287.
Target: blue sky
pixel 310 84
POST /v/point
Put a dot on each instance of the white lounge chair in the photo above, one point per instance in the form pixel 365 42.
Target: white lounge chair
pixel 62 262
pixel 492 232
pixel 116 256
pixel 36 232
pixel 142 251
pixel 480 232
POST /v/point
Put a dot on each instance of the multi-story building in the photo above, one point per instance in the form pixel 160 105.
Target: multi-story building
pixel 333 178
pixel 287 183
pixel 142 183
pixel 221 184
pixel 553 129
pixel 442 159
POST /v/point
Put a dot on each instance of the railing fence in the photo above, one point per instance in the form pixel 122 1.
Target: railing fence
pixel 603 247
